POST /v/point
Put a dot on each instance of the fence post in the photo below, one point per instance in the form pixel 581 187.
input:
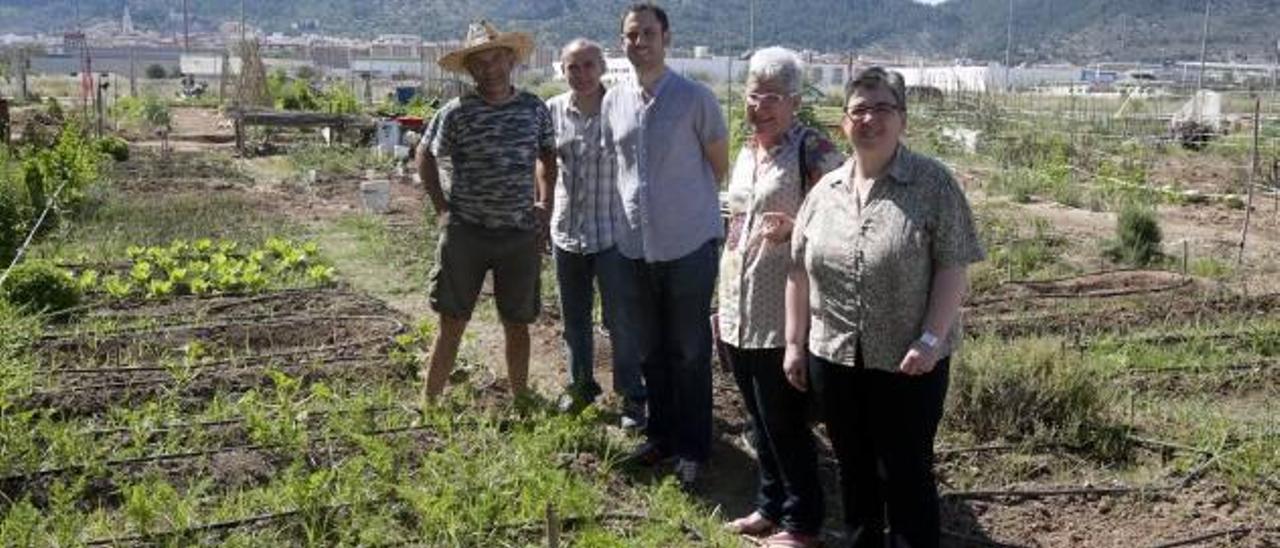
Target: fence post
pixel 553 527
pixel 1253 171
pixel 1184 257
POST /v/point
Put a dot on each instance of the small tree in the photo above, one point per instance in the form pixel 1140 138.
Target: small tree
pixel 1138 237
pixel 156 71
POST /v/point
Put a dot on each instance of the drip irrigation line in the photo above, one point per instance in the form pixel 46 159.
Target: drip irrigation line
pixel 247 298
pixel 1216 534
pixel 1062 492
pixel 258 321
pixel 178 426
pixel 1182 282
pixel 187 455
pixel 1256 367
pixel 22 250
pixel 152 382
pixel 1155 487
pixel 240 361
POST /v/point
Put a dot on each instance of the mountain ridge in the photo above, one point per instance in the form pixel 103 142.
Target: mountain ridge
pixel 1043 30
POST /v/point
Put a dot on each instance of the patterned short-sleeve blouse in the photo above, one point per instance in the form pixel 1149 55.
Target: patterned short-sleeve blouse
pixel 871 269
pixel 753 271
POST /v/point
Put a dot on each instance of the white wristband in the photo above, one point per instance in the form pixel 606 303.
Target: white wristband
pixel 929 340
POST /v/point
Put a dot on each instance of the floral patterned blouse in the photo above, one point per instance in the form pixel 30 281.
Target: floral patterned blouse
pixel 753 271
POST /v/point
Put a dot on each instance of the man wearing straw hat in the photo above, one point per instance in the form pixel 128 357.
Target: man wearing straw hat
pixel 494 216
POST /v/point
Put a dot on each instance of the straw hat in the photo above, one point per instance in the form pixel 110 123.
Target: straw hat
pixel 483 36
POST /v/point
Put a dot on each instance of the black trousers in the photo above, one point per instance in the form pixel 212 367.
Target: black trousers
pixel 790 493
pixel 882 425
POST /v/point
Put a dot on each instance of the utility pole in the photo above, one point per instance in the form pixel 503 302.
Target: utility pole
pixel 751 27
pixel 186 28
pixel 1008 48
pixel 1204 48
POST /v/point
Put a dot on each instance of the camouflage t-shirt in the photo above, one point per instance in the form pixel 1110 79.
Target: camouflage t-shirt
pixel 493 150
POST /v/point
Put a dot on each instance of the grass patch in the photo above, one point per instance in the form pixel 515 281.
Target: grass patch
pixel 107 231
pixel 1033 392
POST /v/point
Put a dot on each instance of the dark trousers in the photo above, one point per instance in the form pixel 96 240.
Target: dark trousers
pixel 790 493
pixel 882 426
pixel 620 286
pixel 677 371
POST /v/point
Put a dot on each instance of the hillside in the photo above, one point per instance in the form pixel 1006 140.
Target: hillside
pixel 1043 30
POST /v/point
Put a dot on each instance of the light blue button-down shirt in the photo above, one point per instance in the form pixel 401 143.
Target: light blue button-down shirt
pixel 668 190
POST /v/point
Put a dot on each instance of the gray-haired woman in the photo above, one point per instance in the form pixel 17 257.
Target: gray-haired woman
pixel 881 250
pixel 777 165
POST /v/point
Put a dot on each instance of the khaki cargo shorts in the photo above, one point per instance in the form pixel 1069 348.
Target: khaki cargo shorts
pixel 466 253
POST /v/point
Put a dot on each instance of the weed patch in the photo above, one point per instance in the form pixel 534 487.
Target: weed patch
pixel 1031 392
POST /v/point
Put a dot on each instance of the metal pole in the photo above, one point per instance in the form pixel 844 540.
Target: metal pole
pixel 186 28
pixel 1008 47
pixel 1204 48
pixel 751 27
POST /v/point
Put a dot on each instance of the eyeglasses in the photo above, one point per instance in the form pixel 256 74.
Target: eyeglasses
pixel 765 99
pixel 878 110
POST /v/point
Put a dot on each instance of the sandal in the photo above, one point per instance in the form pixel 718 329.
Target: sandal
pixel 791 539
pixel 753 525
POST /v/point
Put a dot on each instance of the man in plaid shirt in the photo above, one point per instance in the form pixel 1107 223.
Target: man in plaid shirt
pixel 587 209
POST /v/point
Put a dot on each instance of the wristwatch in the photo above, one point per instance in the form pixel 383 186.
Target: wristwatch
pixel 929 340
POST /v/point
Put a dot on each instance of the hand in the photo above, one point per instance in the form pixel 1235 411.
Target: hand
pixel 442 218
pixel 796 367
pixel 776 227
pixel 918 361
pixel 542 218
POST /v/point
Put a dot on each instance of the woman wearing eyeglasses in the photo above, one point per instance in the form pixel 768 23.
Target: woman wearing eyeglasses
pixel 778 163
pixel 880 256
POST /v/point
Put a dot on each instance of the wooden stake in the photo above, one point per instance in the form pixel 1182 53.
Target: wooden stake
pixel 1253 171
pixel 553 527
pixel 1184 257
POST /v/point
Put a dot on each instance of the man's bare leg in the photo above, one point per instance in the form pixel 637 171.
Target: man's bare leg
pixel 444 352
pixel 517 340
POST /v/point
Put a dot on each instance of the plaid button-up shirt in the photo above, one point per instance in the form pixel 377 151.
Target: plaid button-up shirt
pixel 587 205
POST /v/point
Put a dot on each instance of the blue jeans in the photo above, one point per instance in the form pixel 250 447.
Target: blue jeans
pixel 677 371
pixel 620 284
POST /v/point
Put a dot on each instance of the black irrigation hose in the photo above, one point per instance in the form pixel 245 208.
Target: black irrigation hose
pixel 1215 534
pixel 185 455
pixel 1155 487
pixel 567 521
pixel 262 320
pixel 176 426
pixel 240 361
pixel 246 298
pixel 1102 294
pixel 124 385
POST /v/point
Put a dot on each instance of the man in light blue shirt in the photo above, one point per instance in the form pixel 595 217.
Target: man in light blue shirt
pixel 671 143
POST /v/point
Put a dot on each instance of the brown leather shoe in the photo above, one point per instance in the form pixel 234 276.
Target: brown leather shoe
pixel 753 525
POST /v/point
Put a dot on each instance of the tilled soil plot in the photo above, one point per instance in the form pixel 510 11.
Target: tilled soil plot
pixel 1111 302
pixel 196 347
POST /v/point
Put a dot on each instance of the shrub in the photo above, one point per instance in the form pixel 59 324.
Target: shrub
pixel 39 286
pixel 1137 237
pixel 156 71
pixel 13 219
pixel 114 147
pixel 1030 393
